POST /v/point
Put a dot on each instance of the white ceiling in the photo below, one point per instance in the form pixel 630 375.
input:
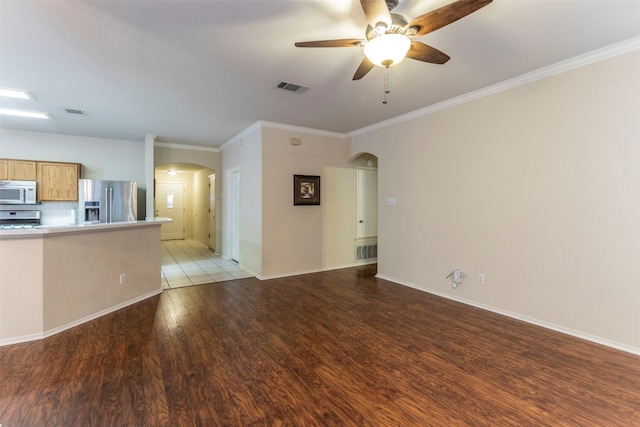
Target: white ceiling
pixel 199 72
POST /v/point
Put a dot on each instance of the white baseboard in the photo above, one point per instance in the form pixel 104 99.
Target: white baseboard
pixel 298 273
pixel 293 273
pixel 521 317
pixel 45 334
pixel 21 339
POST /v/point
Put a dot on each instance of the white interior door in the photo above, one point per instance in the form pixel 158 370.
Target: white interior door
pixel 234 214
pixel 367 205
pixel 212 212
pixel 170 203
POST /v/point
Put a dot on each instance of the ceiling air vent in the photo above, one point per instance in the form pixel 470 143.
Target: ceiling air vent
pixel 293 87
pixel 77 112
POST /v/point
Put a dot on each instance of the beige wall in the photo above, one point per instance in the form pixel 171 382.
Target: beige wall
pixel 54 281
pixel 339 220
pixel 166 154
pixel 82 271
pixel 21 293
pixel 278 238
pixel 536 187
pixel 293 236
pixel 201 206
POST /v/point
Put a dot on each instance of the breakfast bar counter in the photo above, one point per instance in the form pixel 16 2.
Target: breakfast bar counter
pixel 55 277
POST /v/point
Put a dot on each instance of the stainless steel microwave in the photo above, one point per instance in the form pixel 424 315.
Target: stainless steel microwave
pixel 17 192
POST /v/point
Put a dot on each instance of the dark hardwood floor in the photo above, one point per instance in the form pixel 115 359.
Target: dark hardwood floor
pixel 338 348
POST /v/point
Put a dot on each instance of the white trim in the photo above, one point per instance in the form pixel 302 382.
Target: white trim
pixel 19 340
pixel 39 336
pixel 517 316
pixel 291 128
pixel 149 173
pixel 186 147
pixel 229 218
pixel 294 273
pixel 260 124
pixel 560 67
pixel 240 135
pixel 253 273
pixel 298 273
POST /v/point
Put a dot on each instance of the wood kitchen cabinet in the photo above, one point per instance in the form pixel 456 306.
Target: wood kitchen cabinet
pixel 58 181
pixel 19 170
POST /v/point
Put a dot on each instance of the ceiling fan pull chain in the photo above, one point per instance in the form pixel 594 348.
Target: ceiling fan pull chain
pixel 386 86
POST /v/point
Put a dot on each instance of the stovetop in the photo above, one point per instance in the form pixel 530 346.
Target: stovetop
pixel 19 219
pixel 17 226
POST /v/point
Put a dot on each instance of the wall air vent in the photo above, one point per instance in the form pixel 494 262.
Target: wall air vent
pixel 367 252
pixel 292 87
pixel 73 111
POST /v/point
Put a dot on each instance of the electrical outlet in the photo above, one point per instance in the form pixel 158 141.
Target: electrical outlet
pixel 123 279
pixel 480 279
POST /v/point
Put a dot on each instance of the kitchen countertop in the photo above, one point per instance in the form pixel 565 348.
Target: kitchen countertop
pixel 41 230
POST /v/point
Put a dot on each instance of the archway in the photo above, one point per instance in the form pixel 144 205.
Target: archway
pixel 366 242
pixel 199 199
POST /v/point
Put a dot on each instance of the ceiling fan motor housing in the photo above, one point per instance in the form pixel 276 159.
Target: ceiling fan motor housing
pixel 398 24
pixel 391 4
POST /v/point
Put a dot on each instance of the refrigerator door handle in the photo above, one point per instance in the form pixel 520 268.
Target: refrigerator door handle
pixel 107 204
pixel 110 204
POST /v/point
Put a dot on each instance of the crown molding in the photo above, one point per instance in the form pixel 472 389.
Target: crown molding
pixel 291 128
pixel 558 68
pixel 185 147
pixel 261 124
pixel 236 138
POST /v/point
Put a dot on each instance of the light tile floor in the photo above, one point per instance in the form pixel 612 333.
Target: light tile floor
pixel 189 262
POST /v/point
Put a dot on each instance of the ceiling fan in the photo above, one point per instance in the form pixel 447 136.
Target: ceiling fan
pixel 388 35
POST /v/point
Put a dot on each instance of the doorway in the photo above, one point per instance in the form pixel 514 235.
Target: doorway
pixel 367 203
pixel 170 204
pixel 212 212
pixel 233 209
pixel 366 241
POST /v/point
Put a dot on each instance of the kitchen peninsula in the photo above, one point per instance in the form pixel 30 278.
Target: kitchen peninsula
pixel 54 278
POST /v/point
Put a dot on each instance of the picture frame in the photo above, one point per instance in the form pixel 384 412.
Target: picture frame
pixel 306 190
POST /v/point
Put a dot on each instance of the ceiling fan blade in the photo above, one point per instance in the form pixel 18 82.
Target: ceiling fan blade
pixel 363 69
pixel 445 15
pixel 376 11
pixel 421 52
pixel 332 43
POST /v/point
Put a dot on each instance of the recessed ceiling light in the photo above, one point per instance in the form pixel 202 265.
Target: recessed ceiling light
pixel 14 93
pixel 24 113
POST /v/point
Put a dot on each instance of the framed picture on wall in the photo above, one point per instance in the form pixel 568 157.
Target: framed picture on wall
pixel 306 190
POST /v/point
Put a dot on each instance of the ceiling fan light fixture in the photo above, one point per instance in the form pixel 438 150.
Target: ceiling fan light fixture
pixel 387 49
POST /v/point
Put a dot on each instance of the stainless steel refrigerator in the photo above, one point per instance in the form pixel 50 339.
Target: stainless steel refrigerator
pixel 106 201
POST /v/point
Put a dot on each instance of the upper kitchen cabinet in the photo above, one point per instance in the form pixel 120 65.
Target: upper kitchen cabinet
pixel 58 181
pixel 18 170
